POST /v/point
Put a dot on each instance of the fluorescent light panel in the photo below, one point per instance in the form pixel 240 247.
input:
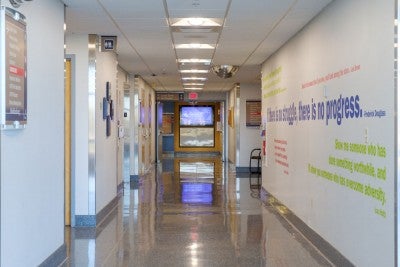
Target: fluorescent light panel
pixel 194 78
pixel 195 60
pixel 194 46
pixel 193 84
pixel 193 71
pixel 196 22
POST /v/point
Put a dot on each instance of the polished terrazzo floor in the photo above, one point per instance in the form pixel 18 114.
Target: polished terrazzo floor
pixel 191 212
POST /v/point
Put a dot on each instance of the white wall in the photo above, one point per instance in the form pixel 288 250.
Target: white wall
pixel 147 132
pixel 106 146
pixel 249 136
pixel 77 45
pixel 106 173
pixel 231 129
pixel 32 160
pixel 122 78
pixel 348 52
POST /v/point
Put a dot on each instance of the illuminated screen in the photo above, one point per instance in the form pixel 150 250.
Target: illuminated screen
pixel 197 193
pixel 196 116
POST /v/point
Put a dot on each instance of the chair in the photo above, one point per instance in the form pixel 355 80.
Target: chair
pixel 255 155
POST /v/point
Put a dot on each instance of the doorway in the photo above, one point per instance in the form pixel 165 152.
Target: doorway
pixel 67 143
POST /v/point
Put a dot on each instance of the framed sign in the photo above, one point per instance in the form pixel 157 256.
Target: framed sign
pixel 108 43
pixel 253 113
pixel 169 96
pixel 13 79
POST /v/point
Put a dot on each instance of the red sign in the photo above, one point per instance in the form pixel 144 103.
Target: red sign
pixel 193 96
pixel 17 71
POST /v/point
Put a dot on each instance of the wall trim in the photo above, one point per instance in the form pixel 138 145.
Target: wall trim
pixel 396 135
pixel 120 189
pixel 93 41
pixel 56 258
pixel 101 215
pixel 326 249
pixel 247 169
pixel 85 233
pixel 242 169
pixel 134 178
pixel 95 220
pixel 85 221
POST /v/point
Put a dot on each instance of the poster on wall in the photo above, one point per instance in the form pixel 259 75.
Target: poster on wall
pixel 13 65
pixel 167 123
pixel 253 113
pixel 330 124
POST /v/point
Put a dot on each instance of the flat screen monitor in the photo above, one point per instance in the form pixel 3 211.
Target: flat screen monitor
pixel 196 116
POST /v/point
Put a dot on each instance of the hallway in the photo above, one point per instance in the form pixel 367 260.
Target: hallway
pixel 93 92
pixel 191 212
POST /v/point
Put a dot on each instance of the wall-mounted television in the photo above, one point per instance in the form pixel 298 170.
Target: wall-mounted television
pixel 196 116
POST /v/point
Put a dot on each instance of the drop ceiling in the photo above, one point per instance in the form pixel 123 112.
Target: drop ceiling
pixel 251 31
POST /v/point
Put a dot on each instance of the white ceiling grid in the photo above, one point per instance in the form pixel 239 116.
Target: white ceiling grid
pixel 253 31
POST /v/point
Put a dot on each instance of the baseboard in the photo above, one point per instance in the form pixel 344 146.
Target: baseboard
pixel 242 169
pixel 330 253
pixel 134 178
pixel 106 210
pixel 85 221
pixel 247 170
pixel 94 220
pixel 120 189
pixel 56 258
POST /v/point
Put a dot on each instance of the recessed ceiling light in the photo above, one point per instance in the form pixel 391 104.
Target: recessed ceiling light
pixel 193 71
pixel 194 60
pixel 194 46
pixel 193 84
pixel 194 78
pixel 196 22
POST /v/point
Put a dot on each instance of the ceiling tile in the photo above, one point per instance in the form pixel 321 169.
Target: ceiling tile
pixel 197 8
pixel 253 31
pixel 134 9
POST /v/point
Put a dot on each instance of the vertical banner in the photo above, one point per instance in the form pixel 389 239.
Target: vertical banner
pixel 13 87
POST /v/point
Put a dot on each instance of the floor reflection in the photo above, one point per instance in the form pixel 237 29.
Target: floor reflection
pixel 191 212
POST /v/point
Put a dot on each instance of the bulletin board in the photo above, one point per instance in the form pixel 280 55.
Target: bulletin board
pixel 167 123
